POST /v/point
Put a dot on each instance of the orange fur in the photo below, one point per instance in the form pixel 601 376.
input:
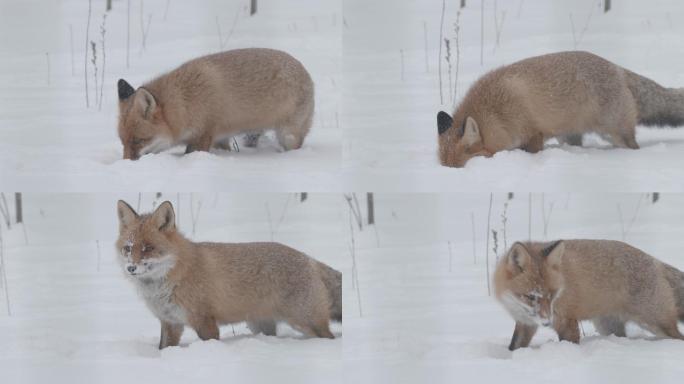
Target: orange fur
pixel 208 100
pixel 608 282
pixel 560 95
pixel 204 285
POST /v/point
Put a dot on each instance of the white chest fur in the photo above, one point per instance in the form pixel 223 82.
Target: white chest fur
pixel 158 295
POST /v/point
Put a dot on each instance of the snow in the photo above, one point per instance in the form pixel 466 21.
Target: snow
pixel 390 123
pixel 75 316
pixel 421 309
pixel 49 138
pixel 428 318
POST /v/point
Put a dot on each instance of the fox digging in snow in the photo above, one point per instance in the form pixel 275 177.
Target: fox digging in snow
pixel 204 285
pixel 561 95
pixel 207 101
pixel 608 282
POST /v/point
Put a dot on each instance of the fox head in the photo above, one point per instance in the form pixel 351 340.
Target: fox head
pixel 527 279
pixel 145 241
pixel 142 127
pixel 459 140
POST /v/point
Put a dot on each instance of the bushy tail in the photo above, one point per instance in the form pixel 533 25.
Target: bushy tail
pixel 676 279
pixel 657 105
pixel 332 280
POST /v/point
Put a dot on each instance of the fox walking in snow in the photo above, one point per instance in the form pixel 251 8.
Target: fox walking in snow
pixel 561 95
pixel 608 282
pixel 207 101
pixel 204 285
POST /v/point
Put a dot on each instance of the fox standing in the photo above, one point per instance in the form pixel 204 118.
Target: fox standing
pixel 204 285
pixel 207 101
pixel 561 95
pixel 608 282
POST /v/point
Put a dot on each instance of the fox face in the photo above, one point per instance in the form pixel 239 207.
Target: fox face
pixel 142 127
pixel 145 249
pixel 527 281
pixel 459 144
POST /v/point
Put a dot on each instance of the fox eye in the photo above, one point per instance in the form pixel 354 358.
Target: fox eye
pixel 127 248
pixel 147 248
pixel 531 297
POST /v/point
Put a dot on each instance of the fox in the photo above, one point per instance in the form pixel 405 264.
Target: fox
pixel 207 101
pixel 205 285
pixel 560 283
pixel 559 95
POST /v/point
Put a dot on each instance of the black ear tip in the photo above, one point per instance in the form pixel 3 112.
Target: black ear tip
pixel 444 122
pixel 547 251
pixel 125 89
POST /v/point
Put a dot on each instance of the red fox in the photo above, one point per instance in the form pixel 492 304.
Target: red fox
pixel 561 95
pixel 204 285
pixel 608 282
pixel 208 100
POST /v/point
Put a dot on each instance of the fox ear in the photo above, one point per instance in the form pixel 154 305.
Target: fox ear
pixel 444 122
pixel 145 102
pixel 471 132
pixel 127 215
pixel 125 89
pixel 518 258
pixel 164 218
pixel 553 254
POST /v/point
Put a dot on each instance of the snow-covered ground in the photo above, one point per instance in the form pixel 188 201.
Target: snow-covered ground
pixel 421 309
pixel 49 140
pixel 426 319
pixel 389 116
pixel 75 318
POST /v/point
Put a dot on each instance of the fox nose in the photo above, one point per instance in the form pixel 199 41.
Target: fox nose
pixel 131 268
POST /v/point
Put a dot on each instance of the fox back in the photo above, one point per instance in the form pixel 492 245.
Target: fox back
pixel 212 98
pixel 561 95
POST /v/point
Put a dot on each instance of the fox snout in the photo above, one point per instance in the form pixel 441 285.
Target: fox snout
pixel 150 267
pixel 135 269
pixel 141 268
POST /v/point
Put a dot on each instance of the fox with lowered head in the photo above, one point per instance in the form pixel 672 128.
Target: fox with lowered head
pixel 560 95
pixel 209 100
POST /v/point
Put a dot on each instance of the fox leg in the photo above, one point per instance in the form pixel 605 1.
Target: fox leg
pixel 625 135
pixel 291 133
pixel 312 325
pixel 670 329
pixel 624 140
pixel 202 143
pixel 289 138
pixel 535 144
pixel 522 336
pixel 575 140
pixel 321 329
pixel 267 327
pixel 206 328
pixel 170 335
pixel 251 139
pixel 320 324
pixel 567 329
pixel 226 144
pixel 631 142
pixel 610 325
